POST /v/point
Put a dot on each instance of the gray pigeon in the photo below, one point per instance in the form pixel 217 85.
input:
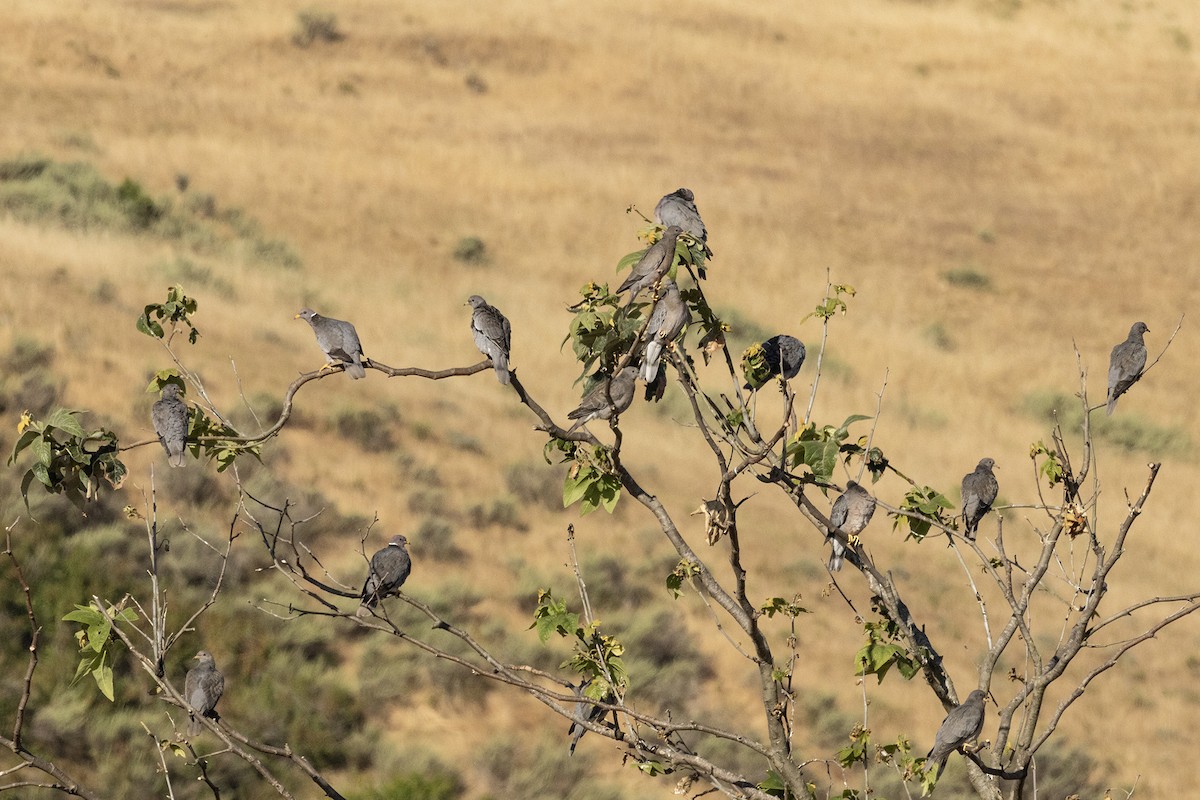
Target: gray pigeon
pixel 1126 363
pixel 493 335
pixel 390 568
pixel 851 513
pixel 668 318
pixel 679 208
pixel 979 490
pixel 170 418
pixel 784 356
pixel 338 339
pixel 960 726
pixel 596 405
pixel 653 264
pixel 583 710
pixel 202 689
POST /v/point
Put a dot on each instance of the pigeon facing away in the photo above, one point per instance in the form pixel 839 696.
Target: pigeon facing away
pixel 1126 363
pixel 170 418
pixel 583 710
pixel 851 513
pixel 493 335
pixel 668 318
pixel 784 356
pixel 960 726
pixel 679 208
pixel 338 339
pixel 390 568
pixel 979 490
pixel 596 405
pixel 653 264
pixel 202 689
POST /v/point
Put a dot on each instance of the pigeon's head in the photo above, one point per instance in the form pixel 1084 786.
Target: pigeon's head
pixel 986 463
pixel 1138 329
pixel 308 315
pixel 672 232
pixel 204 657
pixel 685 194
pixel 170 391
pixel 475 301
pixel 398 541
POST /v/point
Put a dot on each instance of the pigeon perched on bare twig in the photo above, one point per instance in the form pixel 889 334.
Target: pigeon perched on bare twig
pixel 585 711
pixel 1126 363
pixel 979 490
pixel 170 418
pixel 961 725
pixel 202 688
pixel 608 397
pixel 679 208
pixel 493 335
pixel 390 568
pixel 338 339
pixel 851 513
pixel 784 355
pixel 668 318
pixel 653 264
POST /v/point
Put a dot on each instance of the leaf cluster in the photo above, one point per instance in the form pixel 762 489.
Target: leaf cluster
pixel 97 645
pixel 177 310
pixel 67 459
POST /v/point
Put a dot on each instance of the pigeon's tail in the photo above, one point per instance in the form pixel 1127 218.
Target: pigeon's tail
pixel 177 458
pixel 194 724
pixel 355 368
pixel 939 764
pixel 838 556
pixel 500 362
pixel 650 365
pixel 1112 405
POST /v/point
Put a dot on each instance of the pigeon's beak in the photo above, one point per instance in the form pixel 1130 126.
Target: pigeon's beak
pixel 296 317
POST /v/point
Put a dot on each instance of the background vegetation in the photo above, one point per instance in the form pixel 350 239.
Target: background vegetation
pixel 998 180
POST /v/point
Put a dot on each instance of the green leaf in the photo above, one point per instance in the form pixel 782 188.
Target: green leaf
pixel 576 486
pixel 104 679
pixel 67 421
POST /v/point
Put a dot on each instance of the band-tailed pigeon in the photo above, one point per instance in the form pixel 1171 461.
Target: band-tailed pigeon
pixel 493 335
pixel 653 264
pixel 170 418
pixel 961 725
pixel 784 356
pixel 585 711
pixel 851 513
pixel 202 689
pixel 596 403
pixel 679 208
pixel 1126 363
pixel 668 318
pixel 338 339
pixel 979 490
pixel 390 568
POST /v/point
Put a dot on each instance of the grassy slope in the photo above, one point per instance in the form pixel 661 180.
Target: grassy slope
pixel 1051 149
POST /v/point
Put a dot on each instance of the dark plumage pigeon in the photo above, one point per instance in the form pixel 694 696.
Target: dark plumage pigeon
pixel 679 208
pixel 202 688
pixel 668 318
pixel 784 356
pixel 597 404
pixel 338 339
pixel 493 335
pixel 979 490
pixel 583 710
pixel 170 418
pixel 1126 363
pixel 851 513
pixel 960 726
pixel 653 264
pixel 389 570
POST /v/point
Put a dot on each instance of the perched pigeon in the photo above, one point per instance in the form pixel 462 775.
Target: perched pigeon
pixel 596 404
pixel 784 356
pixel 979 490
pixel 390 568
pixel 170 418
pixel 202 689
pixel 493 335
pixel 850 515
pixel 960 726
pixel 653 264
pixel 1126 363
pixel 338 339
pixel 679 208
pixel 585 711
pixel 668 318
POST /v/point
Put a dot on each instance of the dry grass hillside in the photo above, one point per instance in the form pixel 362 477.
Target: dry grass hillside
pixel 1000 181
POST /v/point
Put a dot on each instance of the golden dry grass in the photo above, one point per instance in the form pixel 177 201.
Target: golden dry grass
pixel 1049 147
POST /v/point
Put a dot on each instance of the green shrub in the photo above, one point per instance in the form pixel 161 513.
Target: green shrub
pixel 316 26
